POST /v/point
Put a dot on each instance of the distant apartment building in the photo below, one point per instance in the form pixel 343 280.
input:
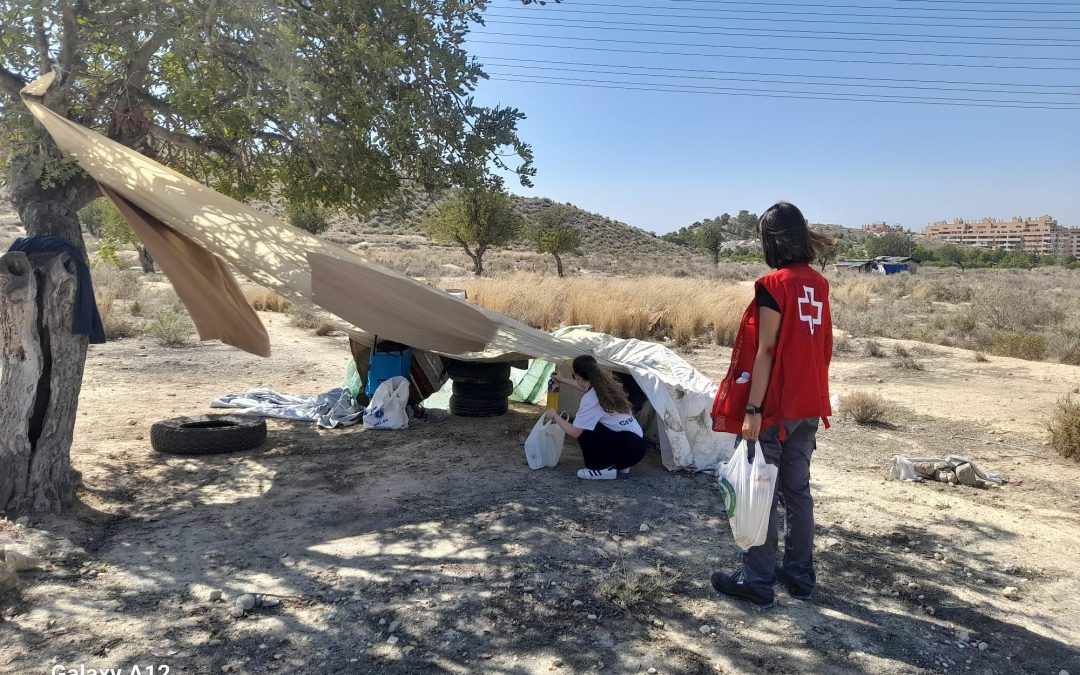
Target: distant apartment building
pixel 1040 235
pixel 881 228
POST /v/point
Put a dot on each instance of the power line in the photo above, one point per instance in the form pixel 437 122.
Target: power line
pixel 937 22
pixel 874 7
pixel 585 68
pixel 758 93
pixel 846 14
pixel 990 2
pixel 781 33
pixel 1069 105
pixel 765 58
pixel 760 74
pixel 771 48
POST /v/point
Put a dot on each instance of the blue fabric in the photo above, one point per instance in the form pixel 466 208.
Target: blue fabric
pixel 87 320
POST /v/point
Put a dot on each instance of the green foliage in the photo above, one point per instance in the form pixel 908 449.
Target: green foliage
pixel 170 327
pixel 476 220
pixel 1028 346
pixel 710 236
pixel 113 232
pixel 890 244
pixel 308 217
pixel 552 232
pixel 338 102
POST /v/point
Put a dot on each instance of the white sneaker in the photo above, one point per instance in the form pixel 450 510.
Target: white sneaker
pixel 601 474
pixel 624 471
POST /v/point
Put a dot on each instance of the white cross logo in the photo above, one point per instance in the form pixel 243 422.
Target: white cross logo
pixel 811 319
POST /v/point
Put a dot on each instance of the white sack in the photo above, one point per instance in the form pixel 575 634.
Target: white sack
pixel 544 446
pixel 387 407
pixel 747 489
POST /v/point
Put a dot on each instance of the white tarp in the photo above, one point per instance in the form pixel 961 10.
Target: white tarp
pixel 678 393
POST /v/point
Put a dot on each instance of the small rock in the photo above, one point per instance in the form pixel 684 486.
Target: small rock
pixel 592 617
pixel 557 663
pixel 983 646
pixel 245 601
pixel 24 521
pixel 883 592
pixel 658 623
pixel 214 642
pixel 1063 672
pixel 215 595
pixel 236 611
pixel 651 671
pixel 938 556
pixel 912 585
pixel 643 528
pixel 577 603
pixel 382 622
pixel 226 668
pixel 930 610
pixel 832 542
pixel 392 640
pixel 963 636
pixel 705 629
pixel 132 423
pixel 1011 592
pixel 394 625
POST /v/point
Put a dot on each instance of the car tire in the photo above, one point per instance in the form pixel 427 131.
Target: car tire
pixel 471 407
pixel 207 434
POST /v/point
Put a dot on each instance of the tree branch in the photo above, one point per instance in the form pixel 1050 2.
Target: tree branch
pixel 160 105
pixel 10 83
pixel 41 40
pixel 69 56
pixel 199 144
pixel 139 69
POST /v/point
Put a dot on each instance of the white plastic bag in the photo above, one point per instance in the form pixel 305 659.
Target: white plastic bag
pixel 747 489
pixel 544 445
pixel 387 407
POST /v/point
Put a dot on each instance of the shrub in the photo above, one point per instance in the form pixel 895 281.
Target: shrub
pixel 308 217
pixel 114 322
pixel 1028 346
pixel 842 345
pixel 264 300
pixel 1064 346
pixel 980 357
pixel 170 328
pixel 301 319
pixel 865 407
pixel 1064 428
pixel 627 590
pixel 872 348
pixel 907 362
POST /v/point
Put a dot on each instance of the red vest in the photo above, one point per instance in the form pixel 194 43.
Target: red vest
pixel 799 384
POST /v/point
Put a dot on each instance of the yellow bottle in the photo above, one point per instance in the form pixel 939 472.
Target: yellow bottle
pixel 553 394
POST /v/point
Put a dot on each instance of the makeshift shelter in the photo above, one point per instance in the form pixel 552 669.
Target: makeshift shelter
pixel 197 236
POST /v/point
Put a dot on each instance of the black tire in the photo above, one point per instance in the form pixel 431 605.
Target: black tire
pixel 484 391
pixel 471 407
pixel 477 371
pixel 207 434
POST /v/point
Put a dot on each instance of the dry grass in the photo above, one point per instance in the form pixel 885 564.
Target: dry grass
pixel 170 327
pixel 1064 428
pixel 301 319
pixel 263 300
pixel 1027 346
pixel 644 308
pixel 873 349
pixel 630 589
pixel 865 407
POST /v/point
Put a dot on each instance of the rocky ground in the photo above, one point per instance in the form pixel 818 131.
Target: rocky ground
pixel 437 549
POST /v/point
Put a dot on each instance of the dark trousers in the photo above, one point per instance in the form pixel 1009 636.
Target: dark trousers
pixel 792 456
pixel 603 448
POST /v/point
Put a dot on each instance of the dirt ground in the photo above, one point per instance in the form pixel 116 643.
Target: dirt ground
pixel 441 537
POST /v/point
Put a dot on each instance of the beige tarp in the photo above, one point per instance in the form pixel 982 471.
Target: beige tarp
pixel 197 234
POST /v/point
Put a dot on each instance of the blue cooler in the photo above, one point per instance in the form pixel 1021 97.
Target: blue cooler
pixel 387 360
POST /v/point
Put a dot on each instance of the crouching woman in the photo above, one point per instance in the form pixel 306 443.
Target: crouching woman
pixel 610 437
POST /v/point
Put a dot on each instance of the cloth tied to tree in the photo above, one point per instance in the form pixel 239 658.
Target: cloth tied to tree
pixel 87 319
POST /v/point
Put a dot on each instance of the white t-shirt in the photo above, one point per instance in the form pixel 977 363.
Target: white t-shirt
pixel 590 413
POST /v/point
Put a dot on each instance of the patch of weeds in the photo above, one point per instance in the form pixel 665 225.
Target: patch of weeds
pixel 1064 428
pixel 981 358
pixel 905 360
pixel 842 345
pixel 873 349
pixel 630 589
pixel 170 328
pixel 865 407
pixel 1028 346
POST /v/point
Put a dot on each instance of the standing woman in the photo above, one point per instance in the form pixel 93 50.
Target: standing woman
pixel 775 393
pixel 611 438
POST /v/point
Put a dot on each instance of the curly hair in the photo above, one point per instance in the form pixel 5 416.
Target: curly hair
pixel 612 396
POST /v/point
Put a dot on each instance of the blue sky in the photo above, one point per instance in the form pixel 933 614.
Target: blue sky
pixel 660 160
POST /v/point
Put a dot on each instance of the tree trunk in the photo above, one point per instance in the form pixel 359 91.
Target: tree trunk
pixel 145 259
pixel 42 375
pixel 558 264
pixel 716 257
pixel 478 260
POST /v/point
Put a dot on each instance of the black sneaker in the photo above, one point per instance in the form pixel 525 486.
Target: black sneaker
pixel 734 585
pixel 795 589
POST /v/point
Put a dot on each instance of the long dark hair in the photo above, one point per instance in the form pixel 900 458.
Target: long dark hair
pixel 786 237
pixel 612 396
